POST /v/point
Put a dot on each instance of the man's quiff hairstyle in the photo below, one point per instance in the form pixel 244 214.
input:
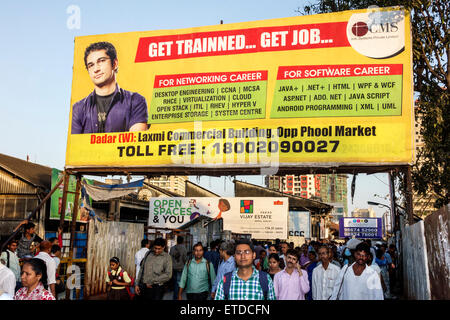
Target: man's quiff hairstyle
pixel 199 244
pixel 363 247
pixel 244 241
pixel 110 51
pixel 292 252
pixel 159 242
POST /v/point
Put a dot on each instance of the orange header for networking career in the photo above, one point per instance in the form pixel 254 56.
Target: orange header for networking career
pixel 321 90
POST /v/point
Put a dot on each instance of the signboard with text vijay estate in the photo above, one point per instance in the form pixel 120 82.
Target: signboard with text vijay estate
pixel 263 218
pixel 365 228
pixel 319 90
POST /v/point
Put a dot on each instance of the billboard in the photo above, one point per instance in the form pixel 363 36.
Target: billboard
pixel 300 224
pixel 56 198
pixel 263 218
pixel 320 90
pixel 366 228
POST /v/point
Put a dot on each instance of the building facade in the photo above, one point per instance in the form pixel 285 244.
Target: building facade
pixel 175 184
pixel 422 205
pixel 364 213
pixel 327 188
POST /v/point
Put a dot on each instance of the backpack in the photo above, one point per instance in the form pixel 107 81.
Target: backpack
pixel 130 287
pixel 263 282
pixel 207 270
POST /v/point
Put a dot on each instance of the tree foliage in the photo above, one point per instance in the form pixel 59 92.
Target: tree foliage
pixel 430 29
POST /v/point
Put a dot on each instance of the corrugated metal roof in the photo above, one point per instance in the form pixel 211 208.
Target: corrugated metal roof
pixel 35 174
pixel 245 189
pixel 194 190
pixel 161 190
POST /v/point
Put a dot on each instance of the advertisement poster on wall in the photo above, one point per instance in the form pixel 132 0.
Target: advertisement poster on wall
pixel 56 199
pixel 263 218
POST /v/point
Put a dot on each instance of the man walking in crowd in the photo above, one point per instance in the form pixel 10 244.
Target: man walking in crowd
pixel 324 276
pixel 382 261
pixel 310 268
pixel 145 247
pixel 108 108
pixel 261 263
pixel 226 250
pixel 291 283
pixel 213 255
pixel 179 257
pixel 393 270
pixel 7 281
pixel 304 260
pixel 245 283
pixel 197 277
pixel 258 248
pixel 27 240
pixel 334 257
pixel 44 254
pixel 358 281
pixel 372 249
pixel 55 253
pixel 284 247
pixel 11 261
pixel 156 269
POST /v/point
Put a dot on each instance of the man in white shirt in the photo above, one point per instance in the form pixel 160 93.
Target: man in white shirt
pixel 11 260
pixel 7 280
pixel 44 255
pixel 358 281
pixel 324 275
pixel 145 245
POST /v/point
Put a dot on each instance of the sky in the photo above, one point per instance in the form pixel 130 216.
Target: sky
pixel 36 69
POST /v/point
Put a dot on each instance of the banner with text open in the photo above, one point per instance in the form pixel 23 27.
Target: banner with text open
pixel 321 90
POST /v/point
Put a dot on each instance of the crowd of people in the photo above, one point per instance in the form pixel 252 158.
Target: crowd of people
pixel 252 270
pixel 228 270
pixel 28 266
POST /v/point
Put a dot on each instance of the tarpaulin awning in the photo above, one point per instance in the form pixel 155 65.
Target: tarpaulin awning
pixel 111 191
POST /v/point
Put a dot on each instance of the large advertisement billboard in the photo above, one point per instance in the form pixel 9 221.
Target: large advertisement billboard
pixel 263 218
pixel 320 90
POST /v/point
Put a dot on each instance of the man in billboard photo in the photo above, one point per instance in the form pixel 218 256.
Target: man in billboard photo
pixel 108 108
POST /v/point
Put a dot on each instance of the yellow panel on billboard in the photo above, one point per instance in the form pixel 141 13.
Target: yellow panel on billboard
pixel 321 90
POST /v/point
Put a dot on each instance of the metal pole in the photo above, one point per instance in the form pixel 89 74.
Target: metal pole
pixel 64 199
pixel 73 226
pixel 394 217
pixel 409 195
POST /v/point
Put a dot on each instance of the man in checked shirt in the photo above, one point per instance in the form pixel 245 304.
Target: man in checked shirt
pixel 245 282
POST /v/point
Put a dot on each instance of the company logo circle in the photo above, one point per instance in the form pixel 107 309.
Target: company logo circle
pixel 360 29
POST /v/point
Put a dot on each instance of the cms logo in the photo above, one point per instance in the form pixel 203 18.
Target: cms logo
pixel 360 29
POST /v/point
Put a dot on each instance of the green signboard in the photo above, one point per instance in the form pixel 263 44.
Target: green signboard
pixel 56 199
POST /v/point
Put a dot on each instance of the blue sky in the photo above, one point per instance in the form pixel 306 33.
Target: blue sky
pixel 37 57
